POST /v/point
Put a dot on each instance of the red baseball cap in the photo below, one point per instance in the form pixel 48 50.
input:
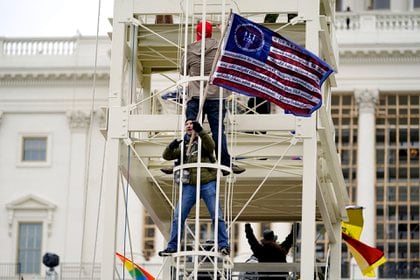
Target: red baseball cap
pixel 209 30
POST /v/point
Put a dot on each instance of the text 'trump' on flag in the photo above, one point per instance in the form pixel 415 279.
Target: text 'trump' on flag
pixel 257 61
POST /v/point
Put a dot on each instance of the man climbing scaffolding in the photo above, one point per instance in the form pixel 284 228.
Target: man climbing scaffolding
pixel 189 179
pixel 211 104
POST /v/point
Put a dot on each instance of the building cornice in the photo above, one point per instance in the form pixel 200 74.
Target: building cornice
pixel 378 56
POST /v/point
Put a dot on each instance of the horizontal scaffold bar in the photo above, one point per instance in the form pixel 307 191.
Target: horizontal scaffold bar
pixel 243 123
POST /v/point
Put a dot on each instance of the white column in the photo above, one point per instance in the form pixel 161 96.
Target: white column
pixel 76 196
pixel 366 165
pixel 92 235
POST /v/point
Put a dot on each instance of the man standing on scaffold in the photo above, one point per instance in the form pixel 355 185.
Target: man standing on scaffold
pixel 211 103
pixel 189 179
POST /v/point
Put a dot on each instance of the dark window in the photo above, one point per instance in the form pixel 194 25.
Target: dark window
pixel 414 193
pixel 414 209
pixel 380 231
pixel 402 193
pixel 391 231
pixel 402 231
pixel 414 232
pixel 34 149
pixel 381 4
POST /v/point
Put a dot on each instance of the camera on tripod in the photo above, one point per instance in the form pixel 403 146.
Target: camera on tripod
pixel 51 260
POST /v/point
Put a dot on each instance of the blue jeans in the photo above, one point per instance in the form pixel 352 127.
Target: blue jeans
pixel 211 109
pixel 208 194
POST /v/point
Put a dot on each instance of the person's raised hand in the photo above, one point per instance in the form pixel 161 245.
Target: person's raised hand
pixel 197 126
pixel 174 144
pixel 248 227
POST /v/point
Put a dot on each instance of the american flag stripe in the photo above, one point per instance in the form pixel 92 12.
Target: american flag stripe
pixel 241 85
pixel 284 73
pixel 266 87
pixel 286 66
pixel 302 57
pixel 265 79
pixel 252 83
pixel 278 59
pixel 257 61
pixel 273 74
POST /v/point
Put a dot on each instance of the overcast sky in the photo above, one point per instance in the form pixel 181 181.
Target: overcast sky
pixel 38 18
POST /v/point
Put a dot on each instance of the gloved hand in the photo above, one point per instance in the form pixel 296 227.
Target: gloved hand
pixel 197 127
pixel 248 227
pixel 174 144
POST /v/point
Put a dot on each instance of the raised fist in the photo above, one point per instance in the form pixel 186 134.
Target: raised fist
pixel 197 126
pixel 248 227
pixel 174 144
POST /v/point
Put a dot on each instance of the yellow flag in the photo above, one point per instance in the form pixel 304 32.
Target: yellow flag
pixel 353 227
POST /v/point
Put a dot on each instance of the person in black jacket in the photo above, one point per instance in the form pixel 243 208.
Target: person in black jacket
pixel 268 250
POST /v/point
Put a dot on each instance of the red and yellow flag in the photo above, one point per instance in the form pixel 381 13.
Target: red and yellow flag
pixel 367 258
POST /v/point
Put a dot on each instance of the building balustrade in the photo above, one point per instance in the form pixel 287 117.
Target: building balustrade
pixel 22 56
pixel 10 271
pixel 377 21
pixel 365 21
pixel 28 46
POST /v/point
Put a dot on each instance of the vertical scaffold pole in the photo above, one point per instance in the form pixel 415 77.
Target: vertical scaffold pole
pixel 309 10
pixel 121 12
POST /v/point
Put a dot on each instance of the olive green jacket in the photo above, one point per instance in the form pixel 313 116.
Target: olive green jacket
pixel 207 150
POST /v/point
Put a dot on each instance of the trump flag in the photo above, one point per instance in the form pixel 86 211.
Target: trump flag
pixel 256 61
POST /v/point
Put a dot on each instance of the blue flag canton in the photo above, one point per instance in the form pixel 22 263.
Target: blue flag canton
pixel 248 38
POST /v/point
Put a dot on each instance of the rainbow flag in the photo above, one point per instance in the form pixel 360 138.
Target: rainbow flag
pixel 367 258
pixel 135 270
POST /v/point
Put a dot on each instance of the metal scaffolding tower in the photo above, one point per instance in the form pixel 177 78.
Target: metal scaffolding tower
pixel 276 187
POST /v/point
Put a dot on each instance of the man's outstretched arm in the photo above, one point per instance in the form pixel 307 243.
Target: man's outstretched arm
pixel 252 240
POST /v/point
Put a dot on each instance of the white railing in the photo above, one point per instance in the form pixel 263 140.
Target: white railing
pixel 20 47
pixel 378 21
